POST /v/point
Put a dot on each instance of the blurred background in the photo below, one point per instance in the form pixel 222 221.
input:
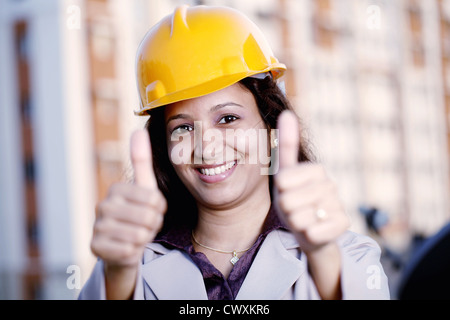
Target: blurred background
pixel 370 79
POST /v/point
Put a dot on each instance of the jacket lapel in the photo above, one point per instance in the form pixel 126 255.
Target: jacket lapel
pixel 174 276
pixel 274 270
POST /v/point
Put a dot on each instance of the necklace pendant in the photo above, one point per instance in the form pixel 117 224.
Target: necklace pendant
pixel 234 259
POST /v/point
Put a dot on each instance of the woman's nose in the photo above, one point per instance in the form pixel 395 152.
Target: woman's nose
pixel 208 145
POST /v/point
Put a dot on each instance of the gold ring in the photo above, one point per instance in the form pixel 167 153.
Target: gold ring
pixel 321 214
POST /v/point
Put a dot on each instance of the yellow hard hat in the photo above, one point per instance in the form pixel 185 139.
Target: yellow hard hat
pixel 199 50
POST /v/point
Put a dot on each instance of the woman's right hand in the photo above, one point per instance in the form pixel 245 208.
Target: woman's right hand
pixel 129 218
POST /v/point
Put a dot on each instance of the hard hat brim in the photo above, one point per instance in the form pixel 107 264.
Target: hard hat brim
pixel 217 84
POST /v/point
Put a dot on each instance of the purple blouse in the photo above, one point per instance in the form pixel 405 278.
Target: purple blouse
pixel 217 286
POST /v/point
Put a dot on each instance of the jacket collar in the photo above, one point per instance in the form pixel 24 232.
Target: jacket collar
pixel 174 276
pixel 274 270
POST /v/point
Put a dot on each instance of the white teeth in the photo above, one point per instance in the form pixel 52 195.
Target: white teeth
pixel 218 170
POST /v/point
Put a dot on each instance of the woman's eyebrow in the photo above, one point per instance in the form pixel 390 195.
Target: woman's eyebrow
pixel 213 109
pixel 222 105
pixel 178 116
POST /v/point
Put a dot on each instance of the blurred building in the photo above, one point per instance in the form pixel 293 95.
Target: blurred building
pixel 67 90
pixel 367 77
pixel 370 79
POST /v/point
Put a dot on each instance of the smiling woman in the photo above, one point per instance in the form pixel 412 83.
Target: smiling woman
pixel 202 220
pixel 264 102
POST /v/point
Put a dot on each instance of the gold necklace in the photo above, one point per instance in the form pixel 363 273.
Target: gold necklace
pixel 233 260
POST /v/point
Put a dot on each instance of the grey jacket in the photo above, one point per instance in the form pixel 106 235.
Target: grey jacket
pixel 279 271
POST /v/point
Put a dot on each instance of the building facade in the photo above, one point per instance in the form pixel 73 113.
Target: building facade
pixel 67 88
pixel 368 82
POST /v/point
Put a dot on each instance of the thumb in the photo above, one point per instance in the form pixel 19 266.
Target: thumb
pixel 141 159
pixel 289 139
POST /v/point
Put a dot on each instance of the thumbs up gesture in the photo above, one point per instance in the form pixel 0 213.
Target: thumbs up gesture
pixel 132 214
pixel 307 198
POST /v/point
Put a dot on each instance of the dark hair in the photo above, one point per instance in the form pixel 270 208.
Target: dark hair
pixel 182 209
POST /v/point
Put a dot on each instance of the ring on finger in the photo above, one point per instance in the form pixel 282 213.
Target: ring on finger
pixel 321 214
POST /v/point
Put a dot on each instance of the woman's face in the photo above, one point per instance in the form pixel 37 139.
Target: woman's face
pixel 218 145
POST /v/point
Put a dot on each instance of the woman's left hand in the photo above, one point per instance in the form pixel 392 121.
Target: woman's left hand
pixel 310 205
pixel 305 195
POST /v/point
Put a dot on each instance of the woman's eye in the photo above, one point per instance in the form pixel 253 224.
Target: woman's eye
pixel 228 119
pixel 182 129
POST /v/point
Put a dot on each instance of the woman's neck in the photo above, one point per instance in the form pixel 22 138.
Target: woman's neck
pixel 233 228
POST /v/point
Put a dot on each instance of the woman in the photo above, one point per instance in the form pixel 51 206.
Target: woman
pixel 205 218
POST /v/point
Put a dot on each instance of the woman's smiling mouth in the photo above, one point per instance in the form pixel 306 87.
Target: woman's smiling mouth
pixel 212 171
pixel 216 173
